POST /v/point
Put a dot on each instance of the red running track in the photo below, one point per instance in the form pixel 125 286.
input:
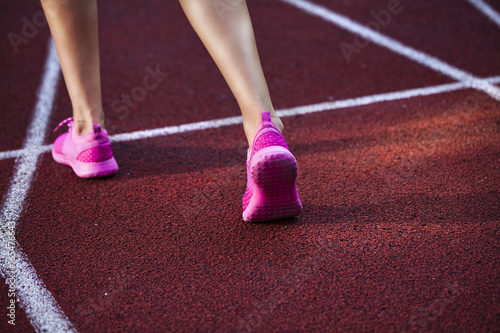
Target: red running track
pixel 400 226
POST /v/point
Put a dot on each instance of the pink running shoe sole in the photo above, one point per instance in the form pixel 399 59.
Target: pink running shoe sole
pixel 88 169
pixel 274 171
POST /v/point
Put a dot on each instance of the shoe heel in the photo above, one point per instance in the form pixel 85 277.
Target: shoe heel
pixel 274 172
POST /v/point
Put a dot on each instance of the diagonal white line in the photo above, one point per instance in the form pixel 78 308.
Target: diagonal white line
pixel 486 10
pixel 146 134
pixel 4 155
pixel 397 47
pixel 40 306
pixel 299 110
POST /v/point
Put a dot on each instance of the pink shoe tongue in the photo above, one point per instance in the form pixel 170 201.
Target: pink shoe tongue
pixel 265 122
pixel 266 116
pixel 97 131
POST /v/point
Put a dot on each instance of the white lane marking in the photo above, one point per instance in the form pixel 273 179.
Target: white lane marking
pixel 176 129
pixel 397 47
pixel 4 155
pixel 40 306
pixel 486 10
pixel 299 110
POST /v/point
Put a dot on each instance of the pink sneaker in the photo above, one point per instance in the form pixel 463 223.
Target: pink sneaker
pixel 271 175
pixel 89 155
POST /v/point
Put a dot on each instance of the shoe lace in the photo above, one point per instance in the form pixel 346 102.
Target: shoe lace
pixel 68 121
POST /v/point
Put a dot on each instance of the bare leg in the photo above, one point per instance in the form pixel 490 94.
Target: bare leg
pixel 73 24
pixel 225 29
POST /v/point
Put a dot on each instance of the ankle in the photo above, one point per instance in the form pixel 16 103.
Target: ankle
pixel 82 126
pixel 84 118
pixel 277 122
pixel 250 126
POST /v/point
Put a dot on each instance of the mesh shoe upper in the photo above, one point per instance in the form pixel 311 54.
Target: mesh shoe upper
pixel 89 148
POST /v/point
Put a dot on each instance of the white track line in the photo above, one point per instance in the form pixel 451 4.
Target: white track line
pixel 26 151
pixel 299 110
pixel 420 57
pixel 486 10
pixel 40 306
pixel 4 155
pixel 176 129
